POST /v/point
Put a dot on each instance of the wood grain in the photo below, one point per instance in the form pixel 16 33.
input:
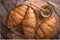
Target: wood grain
pixel 9 4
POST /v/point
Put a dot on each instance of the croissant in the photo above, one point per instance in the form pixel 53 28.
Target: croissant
pixel 46 29
pixel 16 16
pixel 29 22
pixel 22 15
pixel 25 15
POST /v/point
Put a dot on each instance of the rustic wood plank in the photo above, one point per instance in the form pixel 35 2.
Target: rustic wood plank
pixel 3 17
pixel 3 14
pixel 3 30
pixel 9 4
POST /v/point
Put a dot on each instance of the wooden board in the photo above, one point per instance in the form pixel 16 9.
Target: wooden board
pixel 8 4
pixel 7 7
pixel 3 14
pixel 3 17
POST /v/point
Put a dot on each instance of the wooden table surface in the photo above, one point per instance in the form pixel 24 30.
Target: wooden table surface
pixel 8 8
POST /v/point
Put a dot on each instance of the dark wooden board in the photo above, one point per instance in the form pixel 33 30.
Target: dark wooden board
pixel 5 7
pixel 3 14
pixel 3 17
pixel 9 4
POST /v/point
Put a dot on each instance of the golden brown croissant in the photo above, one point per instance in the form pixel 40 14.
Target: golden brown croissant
pixel 22 15
pixel 46 29
pixel 25 15
pixel 16 16
pixel 29 22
